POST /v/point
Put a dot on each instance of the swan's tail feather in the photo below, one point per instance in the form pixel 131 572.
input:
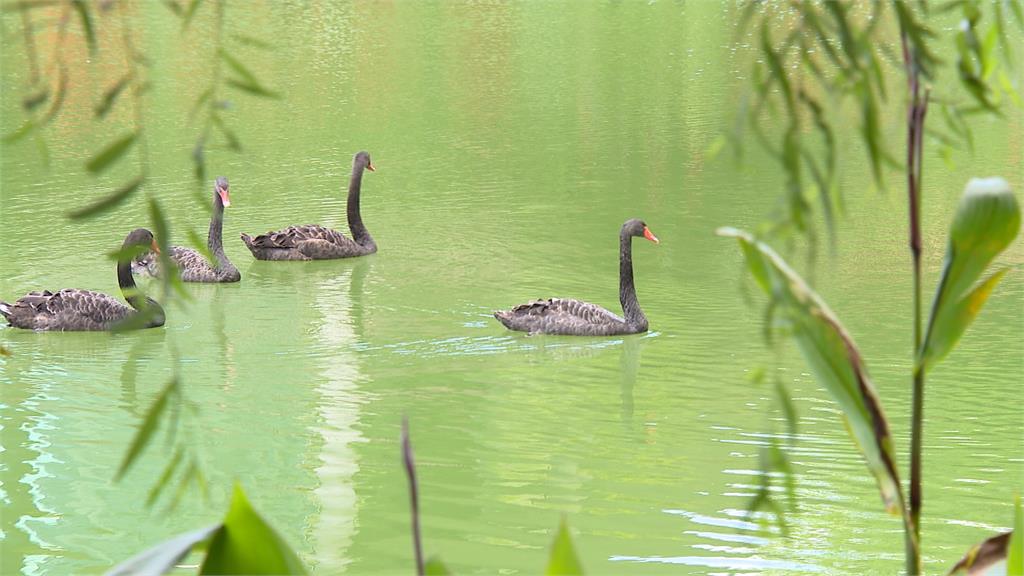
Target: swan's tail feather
pixel 5 309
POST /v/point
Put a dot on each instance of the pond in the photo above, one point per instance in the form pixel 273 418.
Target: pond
pixel 511 141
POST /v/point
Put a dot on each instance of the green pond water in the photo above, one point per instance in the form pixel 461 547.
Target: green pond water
pixel 511 141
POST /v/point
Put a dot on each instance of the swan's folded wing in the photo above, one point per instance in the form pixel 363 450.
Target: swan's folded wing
pixel 291 236
pixel 96 307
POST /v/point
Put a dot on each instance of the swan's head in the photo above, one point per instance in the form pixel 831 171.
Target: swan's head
pixel 141 237
pixel 363 158
pixel 636 227
pixel 220 187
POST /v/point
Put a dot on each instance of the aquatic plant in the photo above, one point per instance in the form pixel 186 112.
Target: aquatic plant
pixel 837 50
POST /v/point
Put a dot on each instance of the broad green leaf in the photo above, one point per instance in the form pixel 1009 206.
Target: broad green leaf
pixel 108 202
pixel 248 545
pixel 986 222
pixel 162 558
pixel 434 567
pixel 149 426
pixel 83 14
pixel 108 155
pixel 833 357
pixel 563 558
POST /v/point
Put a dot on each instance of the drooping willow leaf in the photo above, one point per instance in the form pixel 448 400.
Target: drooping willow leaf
pixel 834 358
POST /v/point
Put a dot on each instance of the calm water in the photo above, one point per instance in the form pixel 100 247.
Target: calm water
pixel 511 142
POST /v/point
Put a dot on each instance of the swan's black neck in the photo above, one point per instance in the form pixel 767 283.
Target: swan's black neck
pixel 135 297
pixel 627 292
pixel 355 221
pixel 213 240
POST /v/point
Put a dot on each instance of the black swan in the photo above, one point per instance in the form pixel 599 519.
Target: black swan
pixel 73 309
pixel 577 318
pixel 315 242
pixel 193 266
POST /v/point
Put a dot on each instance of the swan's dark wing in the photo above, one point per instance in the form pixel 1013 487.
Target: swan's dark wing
pixel 562 316
pixel 292 236
pixel 68 309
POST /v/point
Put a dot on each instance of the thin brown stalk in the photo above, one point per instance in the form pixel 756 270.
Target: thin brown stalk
pixel 410 470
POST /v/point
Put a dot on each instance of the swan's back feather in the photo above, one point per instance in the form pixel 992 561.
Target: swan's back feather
pixel 306 242
pixel 68 309
pixel 192 266
pixel 564 316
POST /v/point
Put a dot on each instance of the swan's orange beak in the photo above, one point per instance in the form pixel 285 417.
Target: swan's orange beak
pixel 369 166
pixel 224 198
pixel 154 247
pixel 650 236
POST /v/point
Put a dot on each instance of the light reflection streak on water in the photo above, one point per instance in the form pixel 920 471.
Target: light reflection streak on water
pixel 335 525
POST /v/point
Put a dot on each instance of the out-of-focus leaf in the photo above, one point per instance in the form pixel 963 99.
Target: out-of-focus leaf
pixel 239 68
pixel 777 69
pixel 435 567
pixel 58 99
pixel 33 100
pixel 253 41
pixel 27 4
pixel 162 558
pixel 83 14
pixel 4 351
pixel 190 12
pixel 171 277
pixel 872 134
pixel 248 545
pixel 254 89
pixel 233 142
pixel 127 253
pixel 833 357
pixel 986 222
pixel 191 475
pixel 110 96
pixel 26 128
pixel 149 426
pixel 563 560
pixel 108 202
pixel 200 246
pixel 173 6
pixel 165 477
pixel 111 153
pixel 200 101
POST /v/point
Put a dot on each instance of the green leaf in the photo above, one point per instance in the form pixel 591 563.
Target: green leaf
pixel 986 222
pixel 833 357
pixel 108 202
pixel 110 96
pixel 1015 556
pixel 162 558
pixel 563 558
pixel 434 567
pixel 34 99
pixel 248 78
pixel 83 14
pixel 111 153
pixel 248 545
pixel 149 426
pixel 254 89
pixel 165 477
pixel 26 128
pixel 189 13
pixel 253 41
pixel 200 246
pixel 171 276
pixel 230 136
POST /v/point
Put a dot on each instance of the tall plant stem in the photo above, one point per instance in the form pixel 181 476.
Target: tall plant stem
pixel 410 470
pixel 915 132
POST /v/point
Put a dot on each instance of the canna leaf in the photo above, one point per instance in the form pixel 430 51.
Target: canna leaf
pixel 111 153
pixel 986 222
pixel 248 545
pixel 833 357
pixel 563 560
pixel 1015 556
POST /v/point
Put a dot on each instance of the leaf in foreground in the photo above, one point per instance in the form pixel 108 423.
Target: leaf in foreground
pixel 832 355
pixel 435 567
pixel 563 556
pixel 248 545
pixel 110 201
pixel 149 425
pixel 986 222
pixel 164 556
pixel 111 153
